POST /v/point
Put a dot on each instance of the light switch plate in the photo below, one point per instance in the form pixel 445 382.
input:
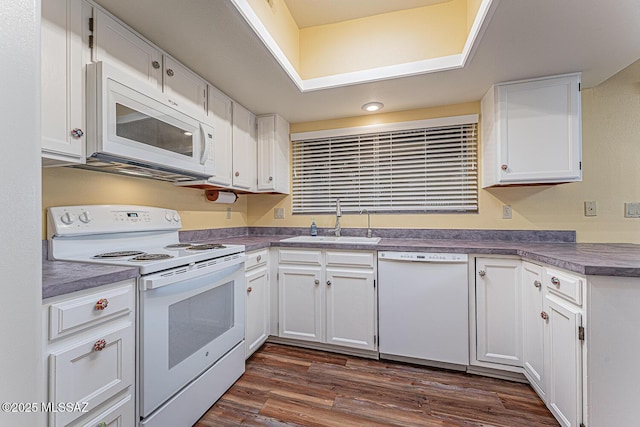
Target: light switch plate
pixel 278 213
pixel 632 210
pixel 506 212
pixel 590 208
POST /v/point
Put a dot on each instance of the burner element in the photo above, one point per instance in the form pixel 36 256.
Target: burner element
pixel 205 247
pixel 119 254
pixel 151 257
pixel 178 246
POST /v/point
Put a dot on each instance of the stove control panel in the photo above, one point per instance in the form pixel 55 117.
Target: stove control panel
pixel 99 219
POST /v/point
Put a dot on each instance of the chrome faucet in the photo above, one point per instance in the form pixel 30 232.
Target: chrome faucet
pixel 338 215
pixel 369 232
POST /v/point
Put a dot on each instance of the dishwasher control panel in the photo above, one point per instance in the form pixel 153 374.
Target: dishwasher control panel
pixel 422 256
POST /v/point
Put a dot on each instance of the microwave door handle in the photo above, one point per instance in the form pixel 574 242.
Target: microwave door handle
pixel 204 151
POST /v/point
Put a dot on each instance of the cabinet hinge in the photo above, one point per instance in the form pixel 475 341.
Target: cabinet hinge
pixel 90 42
pixel 581 333
pixel 374 283
pixel 579 87
pixel 90 24
pixel 375 339
pixel 277 276
pixel 582 425
pixel 580 165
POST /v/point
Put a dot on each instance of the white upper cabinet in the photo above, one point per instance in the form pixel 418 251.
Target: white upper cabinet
pixel 273 154
pixel 181 84
pixel 244 148
pixel 116 43
pixel 531 132
pixel 65 50
pixel 220 115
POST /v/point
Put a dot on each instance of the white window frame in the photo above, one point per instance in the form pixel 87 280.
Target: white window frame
pixel 427 166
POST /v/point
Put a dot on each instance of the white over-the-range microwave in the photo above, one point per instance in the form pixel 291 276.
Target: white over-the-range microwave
pixel 135 129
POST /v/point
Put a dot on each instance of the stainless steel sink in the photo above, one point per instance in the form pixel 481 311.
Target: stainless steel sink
pixel 333 239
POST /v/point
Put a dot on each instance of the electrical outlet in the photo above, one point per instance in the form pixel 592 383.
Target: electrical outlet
pixel 506 212
pixel 228 213
pixel 632 210
pixel 590 208
pixel 278 213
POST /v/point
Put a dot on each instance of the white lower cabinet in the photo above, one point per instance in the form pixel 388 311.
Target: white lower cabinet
pixel 91 364
pixel 328 296
pixel 350 295
pixel 533 326
pixel 498 313
pixel 531 317
pixel 563 358
pixel 257 309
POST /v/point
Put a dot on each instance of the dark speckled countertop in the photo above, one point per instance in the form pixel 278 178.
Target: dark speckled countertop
pixel 553 248
pixel 600 259
pixel 60 278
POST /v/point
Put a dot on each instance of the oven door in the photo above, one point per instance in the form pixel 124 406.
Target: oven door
pixel 187 325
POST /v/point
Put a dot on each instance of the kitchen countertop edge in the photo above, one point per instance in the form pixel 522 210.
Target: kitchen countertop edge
pixel 589 259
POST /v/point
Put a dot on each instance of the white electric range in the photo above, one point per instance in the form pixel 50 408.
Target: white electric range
pixel 190 317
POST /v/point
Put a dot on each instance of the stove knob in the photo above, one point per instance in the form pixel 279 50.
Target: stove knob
pixel 168 216
pixel 67 218
pixel 176 217
pixel 85 217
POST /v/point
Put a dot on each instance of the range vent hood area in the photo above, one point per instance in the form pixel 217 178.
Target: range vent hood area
pixel 123 166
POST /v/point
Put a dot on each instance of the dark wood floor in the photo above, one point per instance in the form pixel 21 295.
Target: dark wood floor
pixel 288 386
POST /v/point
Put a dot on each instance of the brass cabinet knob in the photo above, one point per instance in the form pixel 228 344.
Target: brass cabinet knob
pixel 482 273
pixel 544 315
pixel 537 284
pixel 555 281
pixel 170 72
pixel 155 64
pixel 102 303
pixel 249 289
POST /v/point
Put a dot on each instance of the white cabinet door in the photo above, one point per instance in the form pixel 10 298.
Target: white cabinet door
pixel 257 321
pixel 498 315
pixel 184 86
pixel 115 43
pixel 91 371
pixel 65 49
pixel 532 131
pixel 273 154
pixel 564 361
pixel 220 113
pixel 533 326
pixel 301 302
pixel 244 148
pixel 350 308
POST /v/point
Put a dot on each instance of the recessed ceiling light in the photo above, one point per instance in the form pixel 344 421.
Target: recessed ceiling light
pixel 188 133
pixel 372 106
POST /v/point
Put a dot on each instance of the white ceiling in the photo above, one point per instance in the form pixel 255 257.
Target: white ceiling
pixel 524 39
pixel 309 13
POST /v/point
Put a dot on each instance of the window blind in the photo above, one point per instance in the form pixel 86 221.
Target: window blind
pixel 427 169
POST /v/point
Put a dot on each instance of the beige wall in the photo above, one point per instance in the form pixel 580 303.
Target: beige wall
pixel 611 155
pixel 65 186
pixel 381 40
pixel 276 17
pixel 472 10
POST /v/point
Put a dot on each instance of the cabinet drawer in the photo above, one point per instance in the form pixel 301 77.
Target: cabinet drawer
pixel 120 414
pixel 82 373
pixel 76 314
pixel 294 256
pixel 256 259
pixel 354 259
pixel 564 285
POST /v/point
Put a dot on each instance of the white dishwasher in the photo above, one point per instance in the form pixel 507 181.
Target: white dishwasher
pixel 424 307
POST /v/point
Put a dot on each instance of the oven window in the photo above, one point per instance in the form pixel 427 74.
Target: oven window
pixel 199 320
pixel 139 127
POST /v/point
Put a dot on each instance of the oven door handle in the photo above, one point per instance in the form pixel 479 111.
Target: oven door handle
pixel 164 278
